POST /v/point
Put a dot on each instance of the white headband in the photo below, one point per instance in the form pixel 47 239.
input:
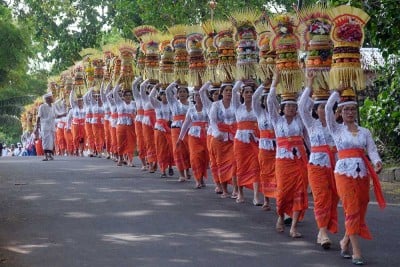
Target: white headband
pixel 347 103
pixel 48 95
pixel 288 102
pixel 225 84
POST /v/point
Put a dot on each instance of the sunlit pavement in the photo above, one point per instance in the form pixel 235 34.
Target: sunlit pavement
pixel 89 212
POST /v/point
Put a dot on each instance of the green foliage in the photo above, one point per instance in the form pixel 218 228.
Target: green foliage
pixel 14 48
pixel 382 115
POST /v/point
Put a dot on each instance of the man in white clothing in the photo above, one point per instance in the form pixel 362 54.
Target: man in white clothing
pixel 46 125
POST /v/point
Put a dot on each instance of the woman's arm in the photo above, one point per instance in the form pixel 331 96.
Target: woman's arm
pixel 169 91
pixel 116 96
pixel 272 104
pixel 204 97
pixel 235 100
pixel 135 89
pixel 256 100
pixel 72 100
pixel 185 126
pixel 329 115
pixel 304 104
pixel 143 87
pixel 153 98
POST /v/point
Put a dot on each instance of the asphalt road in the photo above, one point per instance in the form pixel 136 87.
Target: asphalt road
pixel 88 212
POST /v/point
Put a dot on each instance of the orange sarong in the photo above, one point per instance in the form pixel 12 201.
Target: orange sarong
pixel 39 147
pixel 78 135
pixel 354 195
pixel 148 134
pixel 107 135
pixel 126 140
pixel 291 189
pixel 141 148
pixel 325 197
pixel 247 166
pixel 163 143
pixel 69 141
pixel 89 136
pixel 226 164
pixel 114 145
pixel 181 153
pixel 213 160
pixel 198 152
pixel 60 140
pixel 266 159
pixel 98 133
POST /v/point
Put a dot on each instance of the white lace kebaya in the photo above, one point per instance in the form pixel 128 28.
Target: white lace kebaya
pixel 263 119
pixel 242 114
pixel 163 112
pixel 177 108
pixel 207 103
pixel 344 139
pixel 193 116
pixel 138 102
pixel 283 129
pixel 126 112
pixel 318 134
pixel 220 114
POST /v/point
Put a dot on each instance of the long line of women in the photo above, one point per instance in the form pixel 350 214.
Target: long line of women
pixel 247 138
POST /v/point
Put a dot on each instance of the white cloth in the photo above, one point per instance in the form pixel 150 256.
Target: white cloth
pixel 242 114
pixel 176 107
pixel 162 110
pixel 193 116
pixel 263 119
pixel 47 117
pixel 283 128
pixel 318 134
pixel 220 114
pixel 126 111
pixel 344 139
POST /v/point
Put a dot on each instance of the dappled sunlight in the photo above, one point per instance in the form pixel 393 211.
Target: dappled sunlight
pixel 133 213
pixel 112 190
pixel 236 251
pixel 180 261
pixel 45 182
pixel 26 249
pixel 246 242
pixel 126 238
pixel 159 191
pixel 158 202
pixel 71 199
pixel 219 233
pixel 79 215
pixel 31 197
pixel 220 214
pixel 99 200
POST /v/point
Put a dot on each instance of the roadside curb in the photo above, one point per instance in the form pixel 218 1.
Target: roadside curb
pixel 390 174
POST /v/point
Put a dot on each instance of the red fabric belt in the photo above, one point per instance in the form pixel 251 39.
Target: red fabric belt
pixel 360 153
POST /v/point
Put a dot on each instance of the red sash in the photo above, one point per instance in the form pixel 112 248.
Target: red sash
pixel 249 125
pixel 164 124
pixel 179 117
pixel 269 134
pixel 228 128
pixel 290 142
pixel 140 112
pixel 359 153
pixel 330 150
